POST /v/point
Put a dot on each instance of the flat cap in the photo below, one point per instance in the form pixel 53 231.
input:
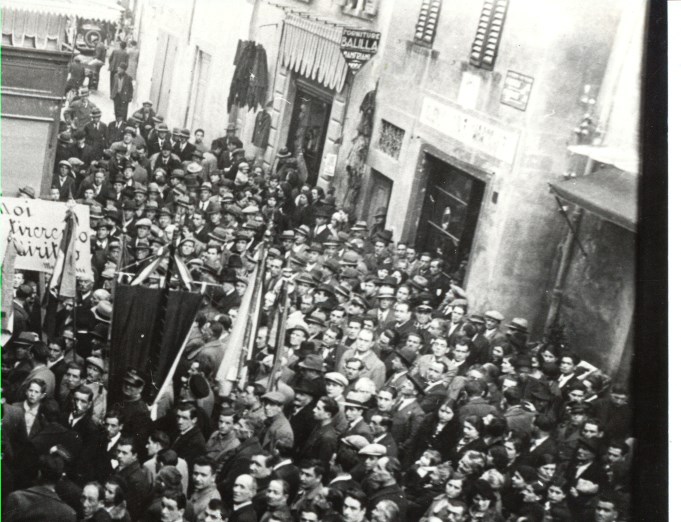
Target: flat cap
pixel 337 378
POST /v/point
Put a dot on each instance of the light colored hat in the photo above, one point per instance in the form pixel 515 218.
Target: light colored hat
pixel 373 450
pixel 494 315
pixel 355 441
pixel 336 377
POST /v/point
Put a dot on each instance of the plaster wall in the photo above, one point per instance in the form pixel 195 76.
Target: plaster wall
pixel 563 46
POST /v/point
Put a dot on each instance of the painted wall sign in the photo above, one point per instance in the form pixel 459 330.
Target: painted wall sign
pixel 358 46
pixel 516 90
pixel 37 226
pixel 469 130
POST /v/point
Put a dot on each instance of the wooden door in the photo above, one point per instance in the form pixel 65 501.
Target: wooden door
pixel 450 213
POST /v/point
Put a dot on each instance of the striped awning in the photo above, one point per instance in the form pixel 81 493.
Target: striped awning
pixel 103 10
pixel 312 48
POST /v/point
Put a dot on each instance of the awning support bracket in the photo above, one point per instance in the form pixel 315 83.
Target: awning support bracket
pixel 569 224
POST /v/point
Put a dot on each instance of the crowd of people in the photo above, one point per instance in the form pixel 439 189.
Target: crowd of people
pixel 391 399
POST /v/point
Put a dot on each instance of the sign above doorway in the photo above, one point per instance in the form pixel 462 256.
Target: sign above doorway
pixel 358 46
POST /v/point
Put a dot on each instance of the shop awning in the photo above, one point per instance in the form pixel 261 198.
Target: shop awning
pixel 610 193
pixel 102 10
pixel 625 159
pixel 45 24
pixel 311 47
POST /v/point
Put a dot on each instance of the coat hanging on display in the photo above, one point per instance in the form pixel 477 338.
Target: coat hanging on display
pixel 261 131
pixel 249 83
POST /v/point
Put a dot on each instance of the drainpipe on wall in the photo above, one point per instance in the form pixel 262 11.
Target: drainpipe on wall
pixel 561 276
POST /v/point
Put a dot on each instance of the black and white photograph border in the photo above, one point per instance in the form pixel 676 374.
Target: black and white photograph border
pixel 374 243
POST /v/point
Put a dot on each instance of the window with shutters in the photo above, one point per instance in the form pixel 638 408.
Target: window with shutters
pixel 360 8
pixel 426 26
pixel 486 42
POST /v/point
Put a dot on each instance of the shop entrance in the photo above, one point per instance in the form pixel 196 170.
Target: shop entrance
pixel 309 121
pixel 380 190
pixel 450 214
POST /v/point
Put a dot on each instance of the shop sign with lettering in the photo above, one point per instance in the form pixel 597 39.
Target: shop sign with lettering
pixel 358 46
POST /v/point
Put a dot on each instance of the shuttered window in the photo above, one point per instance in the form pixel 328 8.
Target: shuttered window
pixel 426 25
pixel 486 42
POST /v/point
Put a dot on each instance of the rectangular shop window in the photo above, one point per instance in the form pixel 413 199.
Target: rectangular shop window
pixel 390 139
pixel 486 41
pixel 426 25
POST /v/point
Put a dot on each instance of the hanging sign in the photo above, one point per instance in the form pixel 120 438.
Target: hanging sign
pixel 358 46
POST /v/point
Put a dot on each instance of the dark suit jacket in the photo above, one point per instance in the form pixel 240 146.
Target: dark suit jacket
pixel 118 56
pixel 36 504
pixel 238 464
pixel 93 441
pixel 321 444
pixel 244 514
pixel 303 424
pixel 406 423
pixel 67 189
pixel 533 458
pixel 291 474
pixel 186 153
pixel 390 445
pixel 190 445
pixel 59 370
pixel 432 397
pixel 97 136
pixel 155 145
pixel 402 330
pixel 124 92
pixel 138 488
pixel 361 428
pixel 173 163
pixel 345 485
pixel 394 493
pixel 115 131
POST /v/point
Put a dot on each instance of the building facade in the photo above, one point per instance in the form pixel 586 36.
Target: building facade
pixel 473 108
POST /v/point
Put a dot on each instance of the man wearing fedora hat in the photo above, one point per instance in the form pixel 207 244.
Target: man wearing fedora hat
pixel 158 138
pixel 165 159
pixel 26 192
pixel 220 144
pixel 585 478
pixel 354 410
pixel 79 112
pixel 183 149
pixel 321 231
pixel 96 132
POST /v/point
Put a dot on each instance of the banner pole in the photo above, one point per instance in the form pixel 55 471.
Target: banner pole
pixel 171 373
pixel 281 335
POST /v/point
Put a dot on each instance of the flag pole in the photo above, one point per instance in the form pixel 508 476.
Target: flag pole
pixel 114 284
pixel 281 334
pixel 163 307
pixel 169 378
pixel 254 313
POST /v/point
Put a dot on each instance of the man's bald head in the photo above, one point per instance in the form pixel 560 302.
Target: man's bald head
pixel 244 489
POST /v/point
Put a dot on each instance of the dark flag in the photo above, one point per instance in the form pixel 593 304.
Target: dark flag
pixel 136 340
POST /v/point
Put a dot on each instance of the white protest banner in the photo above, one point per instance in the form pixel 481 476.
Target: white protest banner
pixel 37 227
